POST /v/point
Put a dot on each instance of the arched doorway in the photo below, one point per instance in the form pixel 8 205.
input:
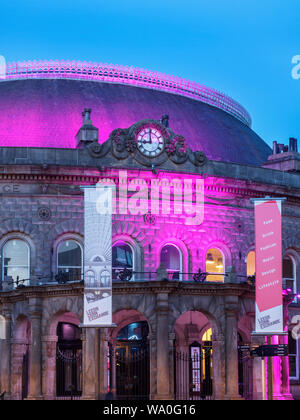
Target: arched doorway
pixel 193 357
pixel 132 362
pixel 68 361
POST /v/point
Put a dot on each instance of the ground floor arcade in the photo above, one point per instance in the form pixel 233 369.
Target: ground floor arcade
pixel 171 341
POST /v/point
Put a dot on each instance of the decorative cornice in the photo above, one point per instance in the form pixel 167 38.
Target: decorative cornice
pixel 132 288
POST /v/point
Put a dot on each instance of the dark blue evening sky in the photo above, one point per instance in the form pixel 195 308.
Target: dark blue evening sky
pixel 243 48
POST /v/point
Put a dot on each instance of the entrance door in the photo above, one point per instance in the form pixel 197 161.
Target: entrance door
pixel 193 372
pixel 132 362
pixel 68 362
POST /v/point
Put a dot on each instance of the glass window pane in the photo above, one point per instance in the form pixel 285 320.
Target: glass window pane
pixel 69 254
pixel 15 252
pixel 122 256
pixel 251 263
pixel 214 264
pixel 292 366
pixel 170 257
pixel 70 274
pixel 17 273
pixel 287 268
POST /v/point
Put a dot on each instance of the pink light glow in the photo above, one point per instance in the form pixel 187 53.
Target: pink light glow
pixel 54 69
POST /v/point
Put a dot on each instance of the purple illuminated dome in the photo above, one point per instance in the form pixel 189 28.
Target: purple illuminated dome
pixel 41 105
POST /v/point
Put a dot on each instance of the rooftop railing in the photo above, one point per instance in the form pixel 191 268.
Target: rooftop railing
pixel 127 75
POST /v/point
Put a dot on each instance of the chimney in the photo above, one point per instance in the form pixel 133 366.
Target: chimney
pixel 165 120
pixel 293 147
pixel 87 133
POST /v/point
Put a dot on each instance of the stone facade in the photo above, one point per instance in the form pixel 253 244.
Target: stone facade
pixel 42 203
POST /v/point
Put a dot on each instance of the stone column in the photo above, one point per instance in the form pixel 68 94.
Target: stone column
pixel 102 372
pixel 172 337
pixel 5 353
pixel 18 350
pixel 153 365
pixel 113 385
pixel 49 344
pixel 231 308
pixel 258 370
pixel 218 363
pixel 89 364
pixel 35 382
pixel 163 391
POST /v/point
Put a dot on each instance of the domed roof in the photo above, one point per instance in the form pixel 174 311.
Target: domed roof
pixel 45 111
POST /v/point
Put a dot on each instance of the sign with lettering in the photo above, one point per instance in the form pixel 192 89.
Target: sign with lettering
pixel 98 256
pixel 270 350
pixel 268 266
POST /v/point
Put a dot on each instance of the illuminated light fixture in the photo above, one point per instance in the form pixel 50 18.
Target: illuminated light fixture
pixel 220 263
pixel 133 337
pixel 209 259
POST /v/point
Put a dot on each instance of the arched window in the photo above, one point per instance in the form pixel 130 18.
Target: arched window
pixel 250 264
pixel 289 274
pixel 171 257
pixel 122 260
pixel 69 260
pixel 214 264
pixel 2 328
pixel 207 335
pixel 16 261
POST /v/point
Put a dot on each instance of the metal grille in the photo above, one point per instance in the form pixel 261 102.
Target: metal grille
pixel 245 375
pixel 68 373
pixel 132 372
pixel 192 375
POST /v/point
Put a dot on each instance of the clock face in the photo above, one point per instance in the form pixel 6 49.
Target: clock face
pixel 150 142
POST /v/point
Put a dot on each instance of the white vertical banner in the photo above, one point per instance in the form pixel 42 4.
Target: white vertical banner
pixel 98 256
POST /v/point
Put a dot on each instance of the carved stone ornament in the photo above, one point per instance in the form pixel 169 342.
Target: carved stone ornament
pixel 149 142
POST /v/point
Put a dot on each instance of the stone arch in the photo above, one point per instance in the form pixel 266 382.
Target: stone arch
pixel 19 225
pixel 191 322
pixel 125 317
pixel 290 241
pixel 246 326
pixel 128 229
pixel 137 248
pixel 144 304
pixel 21 328
pixel 293 253
pixel 54 308
pixel 67 226
pixel 49 343
pixel 63 316
pixel 57 241
pixel 212 307
pixel 26 231
pixel 224 241
pixel 177 236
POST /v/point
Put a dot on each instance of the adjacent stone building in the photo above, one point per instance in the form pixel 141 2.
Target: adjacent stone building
pixel 183 292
